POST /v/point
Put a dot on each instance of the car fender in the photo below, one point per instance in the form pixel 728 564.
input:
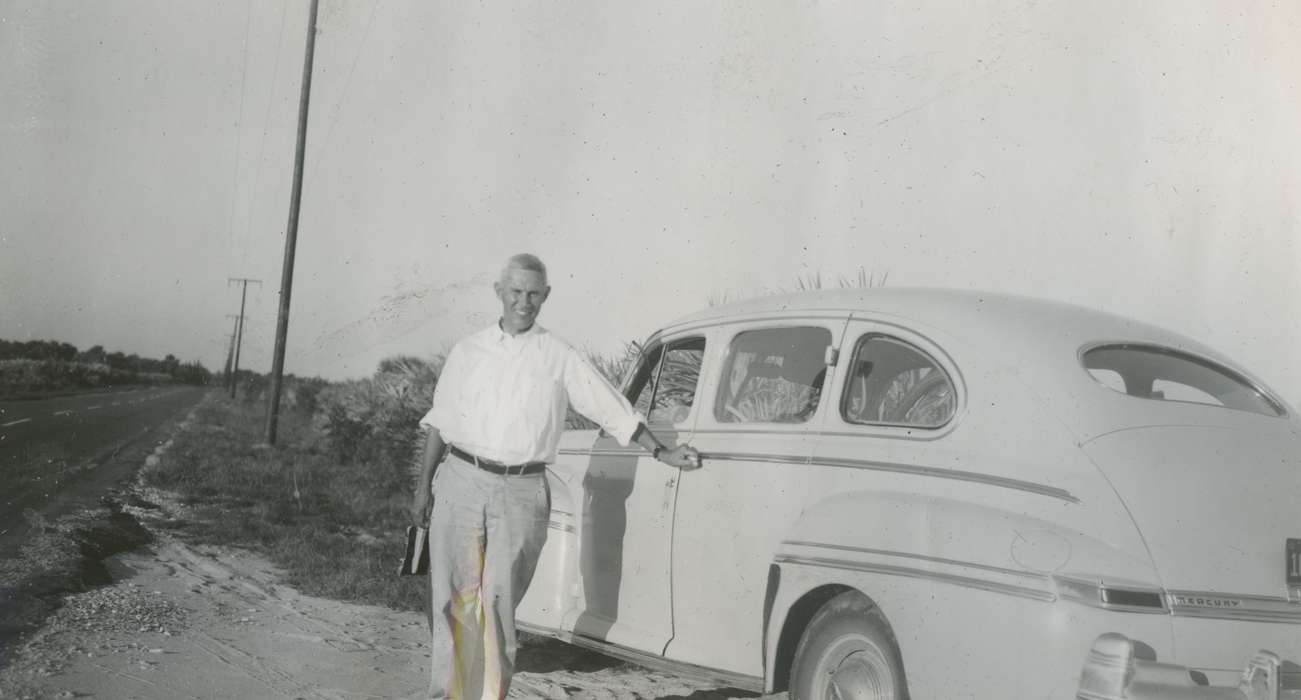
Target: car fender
pixel 896 547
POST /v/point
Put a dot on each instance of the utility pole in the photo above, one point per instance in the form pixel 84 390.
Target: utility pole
pixel 231 362
pixel 291 231
pixel 230 357
pixel 239 325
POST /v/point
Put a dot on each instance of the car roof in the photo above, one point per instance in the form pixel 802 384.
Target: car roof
pixel 969 314
pixel 1038 339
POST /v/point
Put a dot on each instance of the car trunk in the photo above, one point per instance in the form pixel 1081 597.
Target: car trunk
pixel 1215 506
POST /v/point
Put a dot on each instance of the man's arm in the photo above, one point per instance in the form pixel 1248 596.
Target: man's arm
pixel 441 413
pixel 593 396
pixel 423 501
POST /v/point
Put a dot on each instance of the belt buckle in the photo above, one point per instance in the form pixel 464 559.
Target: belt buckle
pixel 519 472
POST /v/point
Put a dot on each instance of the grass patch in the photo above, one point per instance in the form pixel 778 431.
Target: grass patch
pixel 335 527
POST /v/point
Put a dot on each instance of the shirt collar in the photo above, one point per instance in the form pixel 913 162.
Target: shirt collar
pixel 501 336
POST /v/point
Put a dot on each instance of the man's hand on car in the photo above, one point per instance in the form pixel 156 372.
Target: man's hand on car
pixel 683 457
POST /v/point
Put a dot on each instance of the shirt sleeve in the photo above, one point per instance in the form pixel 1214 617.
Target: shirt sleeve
pixel 596 398
pixel 446 390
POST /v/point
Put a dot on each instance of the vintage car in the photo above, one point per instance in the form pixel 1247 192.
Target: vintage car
pixel 937 494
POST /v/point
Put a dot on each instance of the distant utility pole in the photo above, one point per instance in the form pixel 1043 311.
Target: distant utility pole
pixel 230 357
pixel 239 325
pixel 231 361
pixel 291 231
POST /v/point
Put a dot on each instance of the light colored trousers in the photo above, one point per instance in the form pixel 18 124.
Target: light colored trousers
pixel 485 535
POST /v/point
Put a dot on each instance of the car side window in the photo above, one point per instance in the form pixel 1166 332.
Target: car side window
pixel 665 385
pixel 773 375
pixel 894 383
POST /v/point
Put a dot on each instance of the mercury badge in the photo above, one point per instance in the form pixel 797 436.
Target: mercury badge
pixel 1206 601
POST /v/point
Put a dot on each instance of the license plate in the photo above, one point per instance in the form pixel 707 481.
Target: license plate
pixel 1293 562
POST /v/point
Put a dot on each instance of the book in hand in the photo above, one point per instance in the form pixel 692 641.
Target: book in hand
pixel 416 560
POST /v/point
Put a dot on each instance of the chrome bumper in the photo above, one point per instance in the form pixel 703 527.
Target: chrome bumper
pixel 1113 671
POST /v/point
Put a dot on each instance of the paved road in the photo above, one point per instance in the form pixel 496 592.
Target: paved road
pixel 62 453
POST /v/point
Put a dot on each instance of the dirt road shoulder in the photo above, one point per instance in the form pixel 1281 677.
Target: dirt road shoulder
pixel 211 622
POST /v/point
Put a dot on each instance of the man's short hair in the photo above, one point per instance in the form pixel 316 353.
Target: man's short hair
pixel 525 261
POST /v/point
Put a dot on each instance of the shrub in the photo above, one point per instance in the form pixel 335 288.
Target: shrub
pixel 613 367
pixel 27 375
pixel 252 387
pixel 375 421
pixel 301 394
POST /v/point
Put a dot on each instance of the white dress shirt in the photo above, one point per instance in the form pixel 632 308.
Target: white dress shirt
pixel 504 397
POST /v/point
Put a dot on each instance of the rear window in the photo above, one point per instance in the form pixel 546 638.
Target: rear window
pixel 1165 374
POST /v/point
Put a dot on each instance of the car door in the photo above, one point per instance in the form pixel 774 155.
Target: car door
pixel 628 498
pixel 760 407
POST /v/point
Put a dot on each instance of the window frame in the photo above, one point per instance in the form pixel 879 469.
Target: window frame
pixel 656 352
pixel 858 344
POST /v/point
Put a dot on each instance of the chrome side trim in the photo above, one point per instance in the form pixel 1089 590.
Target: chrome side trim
pixel 909 572
pixel 605 452
pixel 886 431
pixel 753 457
pixel 652 661
pixel 1095 594
pixel 973 477
pixel 892 467
pixel 921 557
pixel 618 452
pixel 1233 606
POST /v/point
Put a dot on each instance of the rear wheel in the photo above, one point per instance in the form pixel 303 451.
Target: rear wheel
pixel 848 653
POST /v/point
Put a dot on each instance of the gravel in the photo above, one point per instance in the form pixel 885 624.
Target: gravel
pixel 122 609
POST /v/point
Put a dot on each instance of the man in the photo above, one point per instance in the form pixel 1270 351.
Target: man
pixel 499 409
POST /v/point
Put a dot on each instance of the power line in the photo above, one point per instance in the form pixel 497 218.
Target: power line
pixel 338 106
pixel 266 123
pixel 239 125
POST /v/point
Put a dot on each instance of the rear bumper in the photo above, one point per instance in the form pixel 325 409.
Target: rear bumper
pixel 1113 670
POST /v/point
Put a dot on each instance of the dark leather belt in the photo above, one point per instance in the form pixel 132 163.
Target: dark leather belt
pixel 498 468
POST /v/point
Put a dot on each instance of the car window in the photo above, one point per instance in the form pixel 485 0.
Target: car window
pixel 773 375
pixel 665 385
pixel 893 383
pixel 1166 374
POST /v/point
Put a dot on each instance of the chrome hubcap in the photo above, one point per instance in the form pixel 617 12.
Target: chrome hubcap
pixel 859 672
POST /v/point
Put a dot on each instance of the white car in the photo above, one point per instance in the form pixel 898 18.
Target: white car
pixel 937 494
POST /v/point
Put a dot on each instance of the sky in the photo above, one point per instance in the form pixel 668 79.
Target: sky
pixel 1141 158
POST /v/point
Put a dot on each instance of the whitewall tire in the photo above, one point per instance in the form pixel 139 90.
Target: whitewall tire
pixel 848 653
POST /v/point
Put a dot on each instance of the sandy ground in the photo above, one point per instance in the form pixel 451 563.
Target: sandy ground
pixel 208 622
pixel 204 622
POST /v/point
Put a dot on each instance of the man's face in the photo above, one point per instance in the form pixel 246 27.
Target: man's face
pixel 522 293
